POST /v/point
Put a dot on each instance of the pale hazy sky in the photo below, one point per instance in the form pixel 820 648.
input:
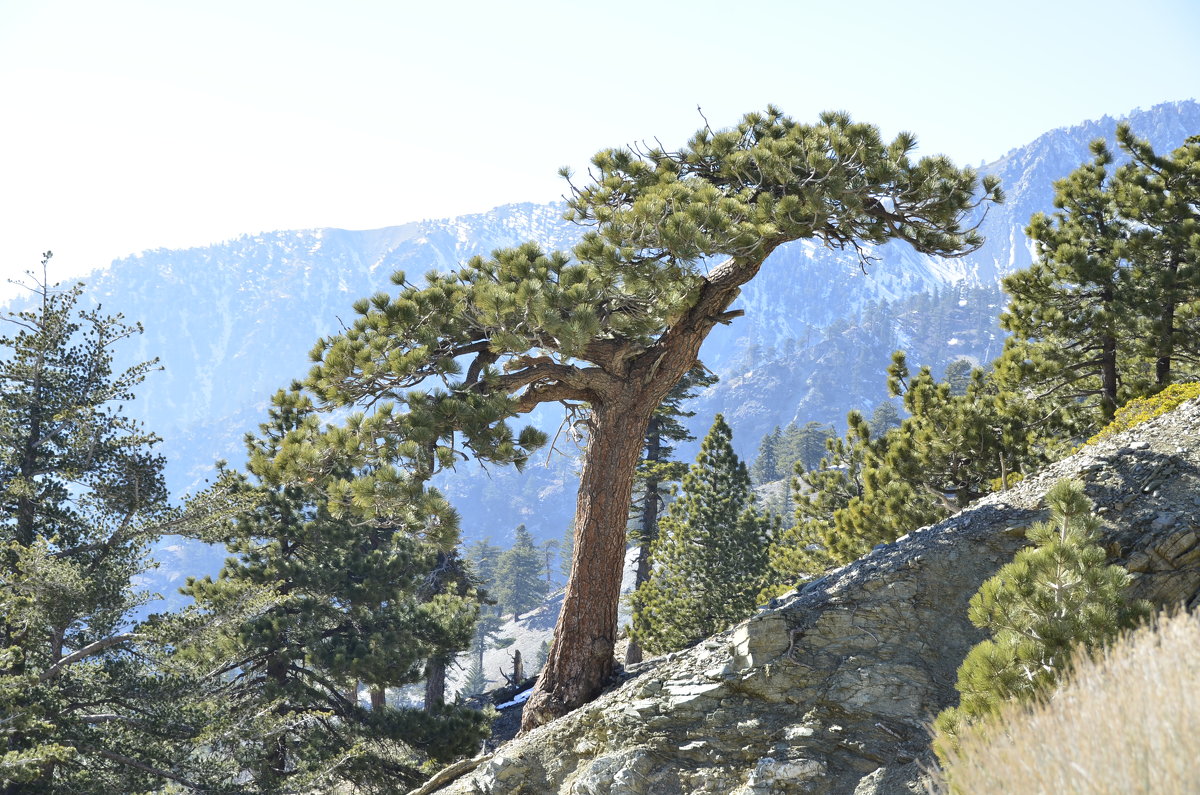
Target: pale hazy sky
pixel 134 125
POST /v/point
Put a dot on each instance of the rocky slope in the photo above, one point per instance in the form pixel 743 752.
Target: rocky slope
pixel 829 690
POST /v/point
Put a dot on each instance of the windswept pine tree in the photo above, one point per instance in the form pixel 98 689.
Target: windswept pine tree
pixel 710 559
pixel 609 328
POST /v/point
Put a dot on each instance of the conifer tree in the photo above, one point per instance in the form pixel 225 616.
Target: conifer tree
pixel 548 549
pixel 566 552
pixel 475 683
pixel 542 655
pixel 884 418
pixel 519 585
pixel 765 468
pixel 84 705
pixel 950 451
pixel 1159 196
pixel 1069 308
pixel 711 555
pixel 483 556
pixel 314 601
pixel 1055 595
pixel 803 549
pixel 614 324
pixel 657 471
pixel 1112 302
pixel 804 445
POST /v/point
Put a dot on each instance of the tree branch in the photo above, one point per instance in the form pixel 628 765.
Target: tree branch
pixel 131 762
pixel 87 651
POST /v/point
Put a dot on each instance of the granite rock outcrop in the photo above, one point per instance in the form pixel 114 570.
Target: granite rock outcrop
pixel 830 689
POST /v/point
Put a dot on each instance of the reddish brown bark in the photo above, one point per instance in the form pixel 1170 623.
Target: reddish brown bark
pixel 581 655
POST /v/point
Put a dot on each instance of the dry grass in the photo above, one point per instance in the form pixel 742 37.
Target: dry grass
pixel 1127 722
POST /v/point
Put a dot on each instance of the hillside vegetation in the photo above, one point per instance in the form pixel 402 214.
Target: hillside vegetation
pixel 347 584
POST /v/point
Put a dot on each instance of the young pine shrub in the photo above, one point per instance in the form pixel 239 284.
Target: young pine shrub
pixel 1127 720
pixel 1056 595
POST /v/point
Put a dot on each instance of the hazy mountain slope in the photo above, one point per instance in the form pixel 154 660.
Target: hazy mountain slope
pixel 233 322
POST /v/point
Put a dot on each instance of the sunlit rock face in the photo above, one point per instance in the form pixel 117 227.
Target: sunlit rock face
pixel 830 690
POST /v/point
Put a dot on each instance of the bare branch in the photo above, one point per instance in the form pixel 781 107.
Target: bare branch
pixel 87 651
pixel 131 762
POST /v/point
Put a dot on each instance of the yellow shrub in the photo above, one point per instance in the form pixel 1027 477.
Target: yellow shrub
pixel 1014 478
pixel 1135 412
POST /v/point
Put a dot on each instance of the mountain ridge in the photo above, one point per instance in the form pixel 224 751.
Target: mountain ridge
pixel 234 322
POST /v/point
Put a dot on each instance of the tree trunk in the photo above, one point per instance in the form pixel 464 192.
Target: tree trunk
pixel 378 698
pixel 1108 377
pixel 276 756
pixel 581 654
pixel 435 684
pixel 1165 349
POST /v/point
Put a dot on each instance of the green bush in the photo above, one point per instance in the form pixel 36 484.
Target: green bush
pixel 1056 595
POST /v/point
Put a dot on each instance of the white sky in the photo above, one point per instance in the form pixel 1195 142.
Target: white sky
pixel 128 125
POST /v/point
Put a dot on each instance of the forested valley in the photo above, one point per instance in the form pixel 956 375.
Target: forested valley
pixel 318 657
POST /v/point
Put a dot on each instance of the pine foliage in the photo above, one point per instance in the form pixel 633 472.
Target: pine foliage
pixel 87 703
pixel 1055 595
pixel 314 603
pixel 710 558
pixel 1110 309
pixel 962 439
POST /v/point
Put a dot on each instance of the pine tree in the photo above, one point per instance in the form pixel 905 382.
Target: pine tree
pixel 803 550
pixel 519 585
pixel 1055 595
pixel 657 471
pixel 884 418
pixel 766 464
pixel 566 552
pixel 1159 196
pixel 617 322
pixel 805 445
pixel 85 705
pixel 542 655
pixel 314 602
pixel 548 549
pixel 1111 304
pixel 1069 309
pixel 483 557
pixel 711 554
pixel 870 490
pixel 475 683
